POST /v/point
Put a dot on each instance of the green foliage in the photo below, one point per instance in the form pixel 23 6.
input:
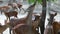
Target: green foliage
pixel 39 1
pixel 31 1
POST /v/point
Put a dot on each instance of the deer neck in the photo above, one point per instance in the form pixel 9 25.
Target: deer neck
pixel 30 11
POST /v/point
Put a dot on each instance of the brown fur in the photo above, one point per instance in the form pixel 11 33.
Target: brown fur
pixel 23 20
pixel 4 8
pixel 23 29
pixel 12 13
pixel 56 27
pixel 36 21
pixel 15 22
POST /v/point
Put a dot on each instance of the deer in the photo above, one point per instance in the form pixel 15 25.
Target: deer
pixel 49 27
pixel 9 14
pixel 56 25
pixel 21 25
pixel 15 22
pixel 24 20
pixel 29 10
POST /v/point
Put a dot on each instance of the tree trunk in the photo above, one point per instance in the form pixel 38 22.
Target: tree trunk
pixel 43 16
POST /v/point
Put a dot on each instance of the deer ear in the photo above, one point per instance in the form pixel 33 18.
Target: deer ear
pixel 55 14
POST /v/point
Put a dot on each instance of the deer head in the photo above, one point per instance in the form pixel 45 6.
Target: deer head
pixel 51 19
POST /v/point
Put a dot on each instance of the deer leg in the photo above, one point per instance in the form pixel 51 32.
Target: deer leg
pixel 10 30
